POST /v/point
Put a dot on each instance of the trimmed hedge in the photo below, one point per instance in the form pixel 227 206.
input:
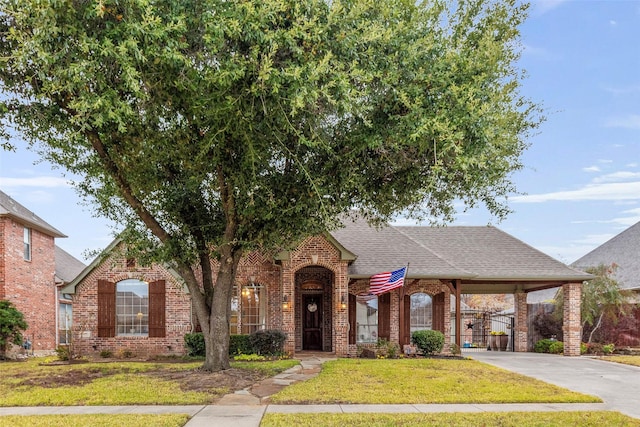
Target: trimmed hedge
pixel 429 342
pixel 265 342
pixel 239 344
pixel 268 342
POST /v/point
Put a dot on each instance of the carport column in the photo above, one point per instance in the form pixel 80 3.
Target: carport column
pixel 571 329
pixel 522 329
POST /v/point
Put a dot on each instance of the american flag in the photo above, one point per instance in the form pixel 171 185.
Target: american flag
pixel 387 281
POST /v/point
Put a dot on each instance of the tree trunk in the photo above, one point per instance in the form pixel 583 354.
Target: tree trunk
pixel 216 338
pixel 595 327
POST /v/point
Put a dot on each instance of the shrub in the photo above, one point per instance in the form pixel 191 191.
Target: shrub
pixel 265 342
pixel 63 352
pixel 429 342
pixel 105 354
pixel 238 344
pixel 583 348
pixel 268 342
pixel 595 348
pixel 12 324
pixel 543 345
pixel 608 348
pixel 556 347
pixel 125 353
pixel 455 349
pixel 195 344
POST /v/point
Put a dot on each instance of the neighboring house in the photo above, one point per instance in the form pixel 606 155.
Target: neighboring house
pixel 29 261
pixel 318 293
pixel 623 250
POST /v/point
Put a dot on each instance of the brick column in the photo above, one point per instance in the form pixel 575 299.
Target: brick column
pixel 521 334
pixel 288 313
pixel 571 325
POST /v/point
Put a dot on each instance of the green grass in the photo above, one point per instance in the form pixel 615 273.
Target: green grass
pixel 408 381
pixel 96 420
pixel 113 383
pixel 627 360
pixel 502 419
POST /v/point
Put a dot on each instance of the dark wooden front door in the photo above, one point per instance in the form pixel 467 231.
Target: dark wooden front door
pixel 312 322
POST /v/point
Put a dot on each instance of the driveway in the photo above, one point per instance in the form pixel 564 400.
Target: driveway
pixel 616 384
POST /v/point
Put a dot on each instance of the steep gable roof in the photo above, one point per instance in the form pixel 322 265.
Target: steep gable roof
pixel 12 209
pixel 624 250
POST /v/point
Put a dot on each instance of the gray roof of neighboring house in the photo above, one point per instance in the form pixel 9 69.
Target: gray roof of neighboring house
pixel 9 207
pixel 474 254
pixel 67 266
pixel 624 250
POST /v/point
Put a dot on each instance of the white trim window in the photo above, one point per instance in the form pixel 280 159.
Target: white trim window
pixel 421 312
pixel 27 244
pixel 132 307
pixel 367 319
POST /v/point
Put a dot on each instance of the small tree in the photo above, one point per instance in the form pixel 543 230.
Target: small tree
pixel 12 324
pixel 601 299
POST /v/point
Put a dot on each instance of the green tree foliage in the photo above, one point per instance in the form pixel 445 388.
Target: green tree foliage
pixel 601 299
pixel 213 127
pixel 12 324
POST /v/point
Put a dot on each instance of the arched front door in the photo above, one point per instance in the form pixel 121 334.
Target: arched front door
pixel 312 322
pixel 313 303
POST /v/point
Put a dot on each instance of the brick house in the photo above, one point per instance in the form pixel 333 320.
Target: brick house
pixel 318 293
pixel 31 266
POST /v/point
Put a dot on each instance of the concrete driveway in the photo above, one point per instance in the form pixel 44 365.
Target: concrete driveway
pixel 616 384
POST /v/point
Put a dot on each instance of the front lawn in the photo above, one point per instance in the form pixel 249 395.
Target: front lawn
pixel 95 420
pixel 30 383
pixel 502 419
pixel 422 381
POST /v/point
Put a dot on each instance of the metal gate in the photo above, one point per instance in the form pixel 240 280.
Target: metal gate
pixel 486 331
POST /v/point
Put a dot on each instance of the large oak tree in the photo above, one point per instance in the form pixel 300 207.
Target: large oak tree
pixel 214 127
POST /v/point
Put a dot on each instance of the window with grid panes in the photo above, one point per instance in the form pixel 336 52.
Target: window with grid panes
pixel 421 312
pixel 132 307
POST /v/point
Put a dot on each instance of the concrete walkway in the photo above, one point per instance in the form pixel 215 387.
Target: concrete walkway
pixel 617 385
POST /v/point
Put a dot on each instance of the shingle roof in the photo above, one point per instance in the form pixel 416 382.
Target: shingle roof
pixel 388 248
pixel 67 266
pixel 468 253
pixel 9 207
pixel 490 253
pixel 624 250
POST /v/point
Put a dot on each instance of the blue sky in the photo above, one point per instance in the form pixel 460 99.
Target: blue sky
pixel 582 171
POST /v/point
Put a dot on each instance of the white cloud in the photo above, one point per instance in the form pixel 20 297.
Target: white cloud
pixel 630 121
pixel 591 169
pixel 38 181
pixel 621 176
pixel 605 191
pixel 613 23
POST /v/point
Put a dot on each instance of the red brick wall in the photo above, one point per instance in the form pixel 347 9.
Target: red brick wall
pixel 30 285
pixel 85 305
pixel 572 325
